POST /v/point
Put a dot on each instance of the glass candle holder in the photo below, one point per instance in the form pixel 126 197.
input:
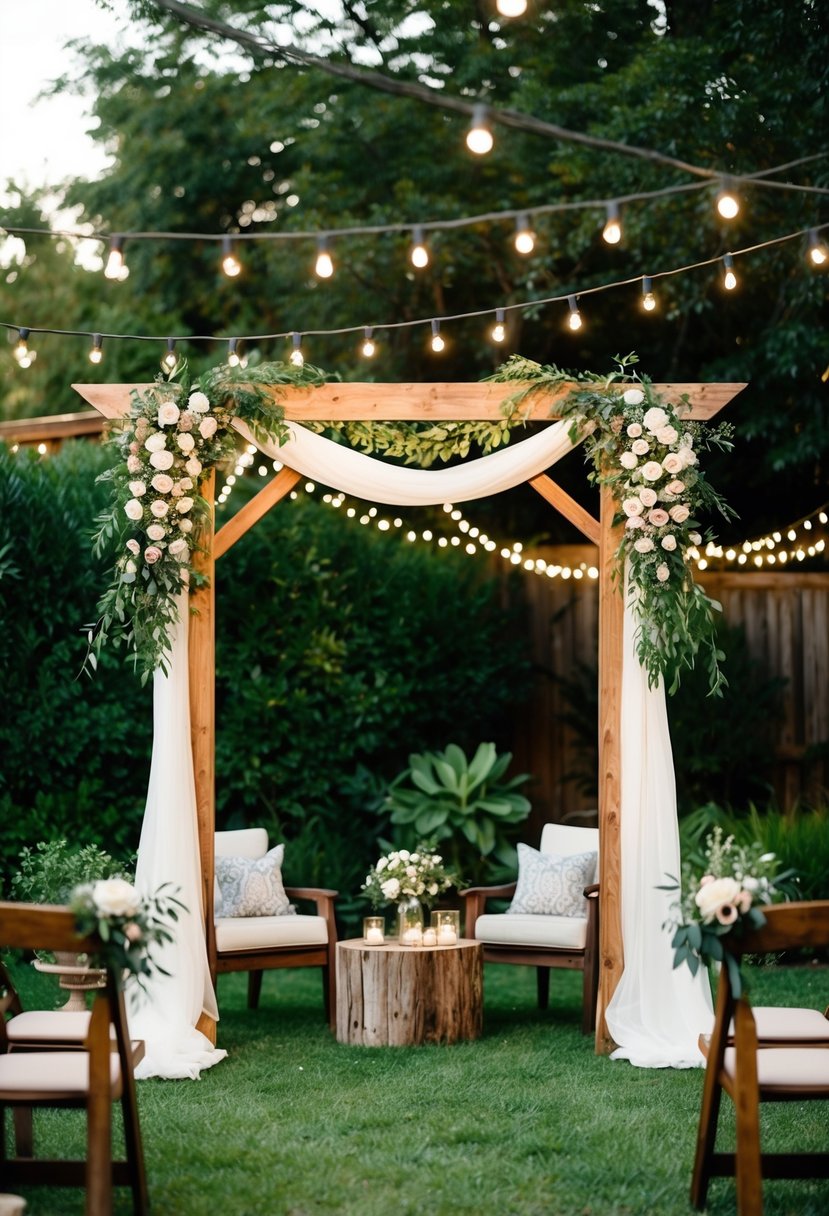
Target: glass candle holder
pixel 430 937
pixel 374 930
pixel 410 922
pixel 447 925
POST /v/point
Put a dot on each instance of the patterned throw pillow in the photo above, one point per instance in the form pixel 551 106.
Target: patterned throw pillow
pixel 253 886
pixel 549 885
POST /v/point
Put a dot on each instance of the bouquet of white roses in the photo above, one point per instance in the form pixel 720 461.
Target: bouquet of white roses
pixel 722 902
pixel 128 924
pixel 400 874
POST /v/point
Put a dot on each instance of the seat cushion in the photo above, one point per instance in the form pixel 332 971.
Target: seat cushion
pixel 550 884
pixel 47 1026
pixel 514 929
pixel 265 932
pixel 252 886
pixel 777 1023
pixel 45 1075
pixel 805 1068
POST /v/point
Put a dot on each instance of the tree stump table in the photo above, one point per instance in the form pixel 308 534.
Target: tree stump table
pixel 404 996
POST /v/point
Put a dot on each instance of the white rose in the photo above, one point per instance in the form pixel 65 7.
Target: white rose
pixel 632 506
pixel 208 428
pixel 688 457
pixel 198 403
pixel 185 525
pixel 156 532
pixel 652 471
pixel 115 897
pixel 673 463
pixel 675 486
pixel 162 460
pixel 178 548
pixel 137 488
pixel 640 447
pixel 130 566
pixel 655 418
pixel 687 440
pixel 186 442
pixel 162 483
pixel 159 508
pixel 634 430
pixel 679 513
pixel 668 542
pixel 433 888
pixel 643 545
pixel 628 461
pixel 133 509
pixel 168 413
pixel 133 547
pixel 390 888
pixel 712 895
pixel 633 396
pixel 667 435
pixel 155 443
pixel 635 521
pixel 183 505
pixel 648 496
pixel 695 538
pixel 663 573
pixel 184 484
pixel 193 466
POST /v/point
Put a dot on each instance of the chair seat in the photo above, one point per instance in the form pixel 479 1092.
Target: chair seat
pixel 52 1076
pixel 267 932
pixel 557 932
pixel 41 1026
pixel 778 1023
pixel 781 1068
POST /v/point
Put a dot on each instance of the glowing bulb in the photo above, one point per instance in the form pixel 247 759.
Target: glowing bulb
pixel 296 357
pixel 96 354
pixel 728 205
pixel 115 262
pixel 233 359
pixel 419 254
pixel 511 8
pixel 169 362
pixel 438 343
pixel 612 232
pixel 368 348
pixel 524 235
pixel 324 266
pixel 729 277
pixel 817 250
pixel 499 330
pixel 479 138
pixel 230 263
pixel 24 356
pixel 648 298
pixel 574 320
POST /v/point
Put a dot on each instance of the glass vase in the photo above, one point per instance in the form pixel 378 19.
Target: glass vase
pixel 410 921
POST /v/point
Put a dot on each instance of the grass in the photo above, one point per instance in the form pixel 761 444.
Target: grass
pixel 527 1121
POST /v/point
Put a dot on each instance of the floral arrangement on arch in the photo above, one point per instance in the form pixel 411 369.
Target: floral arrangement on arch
pixel 129 925
pixel 648 452
pixel 401 873
pixel 175 435
pixel 719 904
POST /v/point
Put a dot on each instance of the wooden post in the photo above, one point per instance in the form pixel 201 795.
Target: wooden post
pixel 611 626
pixel 202 642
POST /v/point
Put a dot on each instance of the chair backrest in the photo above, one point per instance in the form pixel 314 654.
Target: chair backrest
pixel 789 926
pixel 242 842
pixel 42 927
pixel 565 839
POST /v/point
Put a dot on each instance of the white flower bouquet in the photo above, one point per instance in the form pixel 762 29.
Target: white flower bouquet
pixel 128 924
pixel 401 874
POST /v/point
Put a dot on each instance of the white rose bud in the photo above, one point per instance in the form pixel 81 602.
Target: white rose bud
pixel 178 548
pixel 155 443
pixel 133 509
pixel 633 396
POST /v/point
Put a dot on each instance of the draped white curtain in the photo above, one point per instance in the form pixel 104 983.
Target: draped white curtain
pixel 656 1011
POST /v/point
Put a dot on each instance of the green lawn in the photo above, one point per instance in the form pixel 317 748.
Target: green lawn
pixel 527 1121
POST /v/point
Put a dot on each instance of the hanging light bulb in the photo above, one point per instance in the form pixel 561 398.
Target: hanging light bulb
pixel 574 319
pixel 116 267
pixel 231 265
pixel 24 356
pixel 499 330
pixel 728 205
pixel 297 358
pixel 437 343
pixel 96 353
pixel 729 280
pixel 648 298
pixel 511 8
pixel 524 235
pixel 612 231
pixel 169 362
pixel 324 266
pixel 369 347
pixel 479 138
pixel 233 359
pixel 418 254
pixel 817 250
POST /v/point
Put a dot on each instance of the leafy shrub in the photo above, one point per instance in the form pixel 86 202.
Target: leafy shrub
pixel 49 872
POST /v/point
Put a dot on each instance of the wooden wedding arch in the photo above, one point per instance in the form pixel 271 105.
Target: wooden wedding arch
pixel 430 403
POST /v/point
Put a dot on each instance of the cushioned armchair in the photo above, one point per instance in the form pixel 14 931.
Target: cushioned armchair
pixel 553 920
pixel 254 928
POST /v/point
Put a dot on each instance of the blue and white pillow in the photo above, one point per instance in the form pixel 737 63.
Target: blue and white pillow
pixel 253 886
pixel 550 885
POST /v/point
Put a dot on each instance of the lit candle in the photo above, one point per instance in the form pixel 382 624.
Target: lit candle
pixel 447 936
pixel 413 936
pixel 430 938
pixel 374 937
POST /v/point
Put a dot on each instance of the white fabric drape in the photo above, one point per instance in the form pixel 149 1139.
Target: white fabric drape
pixel 165 1014
pixel 656 1013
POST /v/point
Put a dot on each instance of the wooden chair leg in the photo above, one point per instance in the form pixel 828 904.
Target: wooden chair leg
pixel 329 996
pixel 747 1160
pixel 254 988
pixel 706 1136
pixel 590 995
pixel 542 979
pixel 134 1148
pixel 24 1131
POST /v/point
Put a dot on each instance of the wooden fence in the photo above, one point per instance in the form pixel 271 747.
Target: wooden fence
pixel 785 617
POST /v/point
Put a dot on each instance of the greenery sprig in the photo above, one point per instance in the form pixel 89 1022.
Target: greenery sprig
pixel 647 451
pixel 424 443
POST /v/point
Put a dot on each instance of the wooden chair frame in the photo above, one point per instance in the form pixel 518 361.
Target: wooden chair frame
pixel 788 926
pixel 28 927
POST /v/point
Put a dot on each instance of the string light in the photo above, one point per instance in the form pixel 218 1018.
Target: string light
pixel 296 357
pixel 524 235
pixel 234 359
pixel 479 138
pixel 369 347
pixel 96 353
pixel 324 266
pixel 817 250
pixel 511 8
pixel 728 205
pixel 418 254
pixel 612 231
pixel 729 281
pixel 648 298
pixel 24 356
pixel 231 266
pixel 437 342
pixel 116 268
pixel 499 330
pixel 574 319
pixel 169 361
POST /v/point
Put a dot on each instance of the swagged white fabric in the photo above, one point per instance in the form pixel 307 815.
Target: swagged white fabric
pixel 656 1013
pixel 165 1014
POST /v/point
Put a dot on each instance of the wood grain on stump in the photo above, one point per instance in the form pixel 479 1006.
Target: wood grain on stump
pixel 403 996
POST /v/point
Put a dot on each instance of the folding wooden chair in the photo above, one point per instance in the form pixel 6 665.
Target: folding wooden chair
pixel 752 1071
pixel 90 1077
